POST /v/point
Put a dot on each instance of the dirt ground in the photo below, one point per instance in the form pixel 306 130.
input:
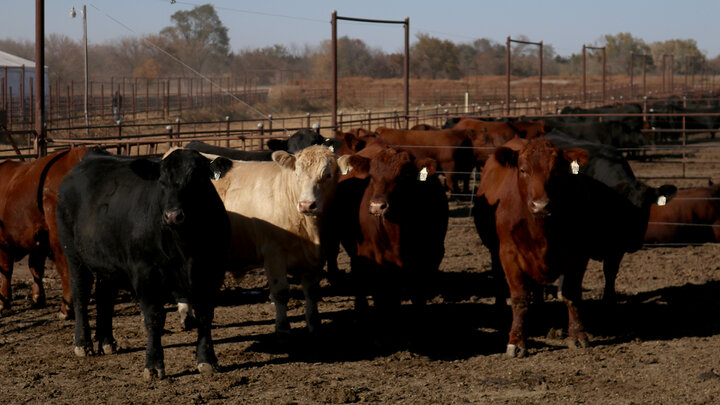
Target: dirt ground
pixel 659 344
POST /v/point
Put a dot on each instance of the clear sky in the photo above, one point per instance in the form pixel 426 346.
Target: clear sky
pixel 565 24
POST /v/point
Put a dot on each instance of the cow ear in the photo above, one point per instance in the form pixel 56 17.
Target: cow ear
pixel 145 169
pixel 333 144
pixel 344 164
pixel 581 156
pixel 219 167
pixel 429 164
pixel 284 159
pixel 506 156
pixel 357 166
pixel 277 144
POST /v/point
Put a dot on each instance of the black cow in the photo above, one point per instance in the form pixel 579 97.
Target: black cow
pixel 620 223
pixel 295 143
pixel 157 227
pixel 230 153
pixel 675 106
pixel 302 139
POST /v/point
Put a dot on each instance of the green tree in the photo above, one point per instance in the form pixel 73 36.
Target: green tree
pixel 617 52
pixel 686 55
pixel 199 38
pixel 434 58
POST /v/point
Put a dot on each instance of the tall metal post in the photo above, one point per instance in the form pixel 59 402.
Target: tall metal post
pixel 507 70
pixel 664 68
pixel 632 66
pixel 540 70
pixel 406 72
pixel 644 75
pixel 334 69
pixel 584 70
pixel 40 145
pixel 604 74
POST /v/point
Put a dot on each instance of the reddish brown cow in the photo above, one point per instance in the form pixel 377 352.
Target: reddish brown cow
pixel 354 140
pixel 487 135
pixel 392 221
pixel 450 148
pixel 691 217
pixel 529 129
pixel 28 197
pixel 522 183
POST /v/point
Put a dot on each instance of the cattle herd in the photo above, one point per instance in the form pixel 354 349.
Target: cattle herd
pixel 169 229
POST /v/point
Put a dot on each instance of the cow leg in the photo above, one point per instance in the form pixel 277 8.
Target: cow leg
pixel 61 266
pixel 611 267
pixel 519 298
pixel 207 361
pixel 80 287
pixel 154 314
pixel 105 294
pixel 311 290
pixel 6 270
pixel 280 295
pixel 185 311
pixel 36 264
pixel 572 295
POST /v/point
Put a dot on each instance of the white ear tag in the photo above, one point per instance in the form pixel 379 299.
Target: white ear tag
pixel 662 200
pixel 575 167
pixel 216 175
pixel 332 148
pixel 346 170
pixel 422 176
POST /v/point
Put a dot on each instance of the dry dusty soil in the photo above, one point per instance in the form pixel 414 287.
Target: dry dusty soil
pixel 658 344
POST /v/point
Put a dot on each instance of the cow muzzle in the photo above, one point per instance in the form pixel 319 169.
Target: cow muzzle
pixel 378 207
pixel 306 207
pixel 174 216
pixel 539 207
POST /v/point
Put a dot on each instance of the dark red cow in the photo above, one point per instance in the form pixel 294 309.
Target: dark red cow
pixel 450 148
pixel 691 217
pixel 28 197
pixel 519 214
pixel 392 217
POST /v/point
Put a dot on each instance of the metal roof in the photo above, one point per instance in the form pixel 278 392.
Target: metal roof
pixel 9 60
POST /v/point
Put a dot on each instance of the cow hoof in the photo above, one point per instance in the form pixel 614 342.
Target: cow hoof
pixel 150 374
pixel 206 368
pixel 515 351
pixel 63 317
pixel 83 351
pixel 580 343
pixel 38 301
pixel 108 348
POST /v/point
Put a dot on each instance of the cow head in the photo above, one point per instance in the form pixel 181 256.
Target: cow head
pixel 388 170
pixel 182 175
pixel 316 171
pixel 540 168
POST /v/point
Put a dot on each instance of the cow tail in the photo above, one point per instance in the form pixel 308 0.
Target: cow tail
pixel 43 176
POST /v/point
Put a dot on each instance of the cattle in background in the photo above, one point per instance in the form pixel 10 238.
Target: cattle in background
pixel 158 227
pixel 619 131
pixel 674 106
pixel 28 197
pixel 354 140
pixel 486 136
pixel 295 143
pixel 277 211
pixel 692 217
pixel 423 127
pixel 300 140
pixel 391 216
pixel 450 148
pixel 524 215
pixel 629 204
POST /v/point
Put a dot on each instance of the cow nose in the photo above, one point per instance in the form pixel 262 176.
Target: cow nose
pixel 174 216
pixel 307 207
pixel 539 206
pixel 378 207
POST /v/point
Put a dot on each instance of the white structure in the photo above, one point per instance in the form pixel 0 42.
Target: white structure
pixel 11 69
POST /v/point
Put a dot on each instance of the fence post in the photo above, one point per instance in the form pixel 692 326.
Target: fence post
pixel 119 135
pixel 369 117
pixel 227 130
pixel 308 120
pixel 261 129
pixel 177 124
pixel 340 120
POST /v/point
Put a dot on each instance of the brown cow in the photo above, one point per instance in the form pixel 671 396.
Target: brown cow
pixel 522 184
pixel 691 217
pixel 28 197
pixel 391 216
pixel 487 135
pixel 450 148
